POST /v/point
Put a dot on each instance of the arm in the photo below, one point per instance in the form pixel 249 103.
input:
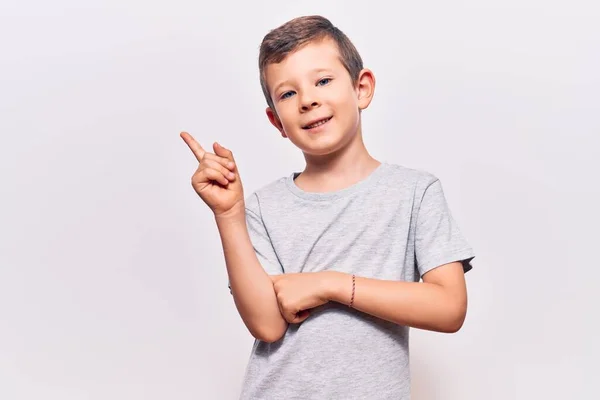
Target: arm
pixel 218 184
pixel 251 287
pixel 439 303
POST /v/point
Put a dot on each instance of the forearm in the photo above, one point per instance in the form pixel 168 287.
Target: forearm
pixel 417 304
pixel 251 286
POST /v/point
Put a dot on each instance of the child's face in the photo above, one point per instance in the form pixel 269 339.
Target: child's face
pixel 311 85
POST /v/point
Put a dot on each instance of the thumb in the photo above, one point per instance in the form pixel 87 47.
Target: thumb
pixel 222 151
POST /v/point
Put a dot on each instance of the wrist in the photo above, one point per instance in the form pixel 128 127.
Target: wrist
pixel 235 214
pixel 338 287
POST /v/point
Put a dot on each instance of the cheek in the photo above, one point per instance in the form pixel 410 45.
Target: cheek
pixel 289 116
pixel 287 123
pixel 348 107
pixel 346 100
pixel 284 116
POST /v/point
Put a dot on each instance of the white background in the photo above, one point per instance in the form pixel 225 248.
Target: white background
pixel 112 279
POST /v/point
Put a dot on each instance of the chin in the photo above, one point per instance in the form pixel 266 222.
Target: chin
pixel 324 149
pixel 318 152
pixel 321 144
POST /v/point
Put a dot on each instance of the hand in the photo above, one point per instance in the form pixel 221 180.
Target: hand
pixel 215 180
pixel 299 292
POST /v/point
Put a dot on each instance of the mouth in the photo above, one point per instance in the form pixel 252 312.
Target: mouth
pixel 317 123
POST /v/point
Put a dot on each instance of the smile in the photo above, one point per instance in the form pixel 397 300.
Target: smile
pixel 317 123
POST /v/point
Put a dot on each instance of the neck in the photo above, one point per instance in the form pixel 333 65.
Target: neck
pixel 346 166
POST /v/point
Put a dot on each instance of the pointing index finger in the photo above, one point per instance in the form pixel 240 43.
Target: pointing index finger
pixel 193 145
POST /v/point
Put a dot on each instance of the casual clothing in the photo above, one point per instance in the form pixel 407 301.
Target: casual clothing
pixel 393 225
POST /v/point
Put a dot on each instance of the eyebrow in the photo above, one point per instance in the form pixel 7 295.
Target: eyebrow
pixel 316 71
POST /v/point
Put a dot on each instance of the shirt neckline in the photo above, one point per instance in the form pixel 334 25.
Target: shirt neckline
pixel 363 184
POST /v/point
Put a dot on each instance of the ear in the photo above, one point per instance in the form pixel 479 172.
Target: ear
pixel 365 88
pixel 274 119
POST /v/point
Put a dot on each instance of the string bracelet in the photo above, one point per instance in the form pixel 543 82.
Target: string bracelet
pixel 353 289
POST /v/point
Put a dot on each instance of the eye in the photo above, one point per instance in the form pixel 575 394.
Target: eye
pixel 324 81
pixel 286 95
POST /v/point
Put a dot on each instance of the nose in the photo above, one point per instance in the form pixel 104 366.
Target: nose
pixel 308 101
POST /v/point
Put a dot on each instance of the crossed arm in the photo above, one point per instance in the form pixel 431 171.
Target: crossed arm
pixel 439 303
pixel 268 303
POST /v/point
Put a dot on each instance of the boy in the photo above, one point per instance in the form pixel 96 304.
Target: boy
pixel 325 265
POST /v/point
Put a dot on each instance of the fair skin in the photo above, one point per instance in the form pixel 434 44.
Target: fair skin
pixel 308 86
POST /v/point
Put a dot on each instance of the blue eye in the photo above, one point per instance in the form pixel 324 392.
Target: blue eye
pixel 285 95
pixel 324 81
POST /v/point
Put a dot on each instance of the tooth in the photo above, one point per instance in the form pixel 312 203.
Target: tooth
pixel 317 123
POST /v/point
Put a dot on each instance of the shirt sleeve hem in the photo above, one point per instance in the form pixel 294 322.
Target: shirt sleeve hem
pixel 465 257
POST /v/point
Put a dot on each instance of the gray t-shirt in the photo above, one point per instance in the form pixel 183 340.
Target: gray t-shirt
pixel 393 225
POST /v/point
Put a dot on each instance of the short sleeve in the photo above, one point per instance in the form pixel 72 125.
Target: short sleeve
pixel 259 236
pixel 438 238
